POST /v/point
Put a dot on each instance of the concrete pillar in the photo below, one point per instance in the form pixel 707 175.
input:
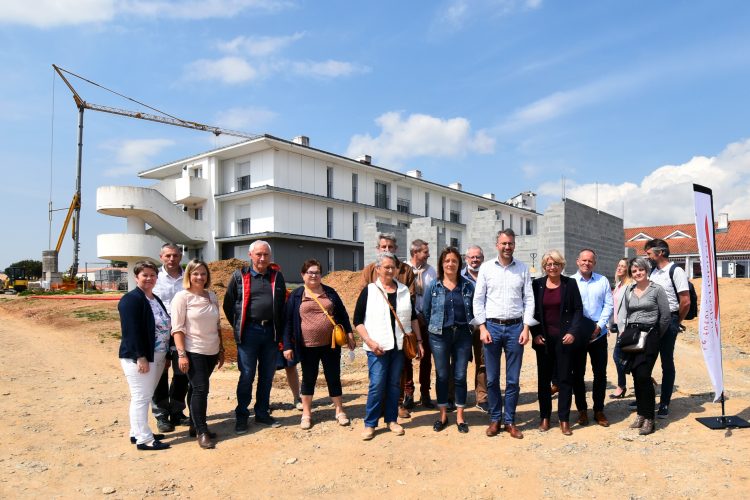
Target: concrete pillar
pixel 131 276
pixel 136 225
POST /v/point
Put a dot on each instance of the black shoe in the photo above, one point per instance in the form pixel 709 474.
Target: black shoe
pixel 193 434
pixel 483 407
pixel 663 412
pixel 463 427
pixel 179 419
pixel 427 403
pixel 439 425
pixel 451 407
pixel 408 402
pixel 157 437
pixel 267 420
pixel 164 425
pixel 240 426
pixel 154 446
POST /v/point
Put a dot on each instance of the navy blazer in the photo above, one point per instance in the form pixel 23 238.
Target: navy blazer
pixel 137 325
pixel 293 325
pixel 571 311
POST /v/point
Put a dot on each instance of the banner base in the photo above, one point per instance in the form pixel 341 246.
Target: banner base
pixel 716 423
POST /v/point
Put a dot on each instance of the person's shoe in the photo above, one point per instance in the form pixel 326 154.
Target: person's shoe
pixel 633 405
pixel 305 422
pixel 484 407
pixel 514 431
pixel 157 437
pixel 451 407
pixel 463 427
pixel 155 445
pixel 267 420
pixel 565 429
pixel 408 402
pixel 619 393
pixel 164 425
pixel 179 419
pixel 648 427
pixel 342 419
pixel 439 425
pixel 403 412
pixel 396 428
pixel 663 411
pixel 298 405
pixel 583 418
pixel 240 426
pixel 205 441
pixel 601 419
pixel 638 422
pixel 544 425
pixel 554 389
pixel 493 429
pixel 192 433
pixel 426 402
pixel 368 433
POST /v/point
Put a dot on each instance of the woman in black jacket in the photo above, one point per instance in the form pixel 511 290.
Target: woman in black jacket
pixel 145 340
pixel 558 311
pixel 311 312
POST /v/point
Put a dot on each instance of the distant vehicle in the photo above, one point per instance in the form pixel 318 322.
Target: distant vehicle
pixel 17 281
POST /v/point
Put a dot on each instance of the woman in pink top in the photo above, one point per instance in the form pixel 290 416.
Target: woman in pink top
pixel 195 328
pixel 622 280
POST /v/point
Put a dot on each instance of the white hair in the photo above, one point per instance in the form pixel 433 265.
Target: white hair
pixel 256 243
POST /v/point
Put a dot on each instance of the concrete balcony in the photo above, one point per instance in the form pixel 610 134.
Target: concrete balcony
pixel 128 247
pixel 191 190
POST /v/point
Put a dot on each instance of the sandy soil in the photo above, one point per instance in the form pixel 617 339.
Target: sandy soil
pixel 64 403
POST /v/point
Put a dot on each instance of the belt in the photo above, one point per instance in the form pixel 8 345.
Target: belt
pixel 639 326
pixel 455 328
pixel 506 322
pixel 261 322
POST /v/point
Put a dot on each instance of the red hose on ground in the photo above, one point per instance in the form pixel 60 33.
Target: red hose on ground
pixel 75 297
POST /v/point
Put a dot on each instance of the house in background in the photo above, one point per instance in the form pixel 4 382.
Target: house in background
pixel 732 245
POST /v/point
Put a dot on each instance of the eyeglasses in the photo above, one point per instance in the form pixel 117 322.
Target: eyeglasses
pixel 313 273
pixel 552 264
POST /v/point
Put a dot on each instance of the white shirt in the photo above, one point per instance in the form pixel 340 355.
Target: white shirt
pixel 661 277
pixel 596 296
pixel 503 292
pixel 166 286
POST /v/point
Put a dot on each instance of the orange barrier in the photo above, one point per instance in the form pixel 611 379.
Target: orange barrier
pixel 75 297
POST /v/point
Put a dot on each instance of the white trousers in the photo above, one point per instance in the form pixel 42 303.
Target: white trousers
pixel 142 387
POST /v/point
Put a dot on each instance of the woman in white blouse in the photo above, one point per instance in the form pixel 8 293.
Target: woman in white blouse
pixel 195 328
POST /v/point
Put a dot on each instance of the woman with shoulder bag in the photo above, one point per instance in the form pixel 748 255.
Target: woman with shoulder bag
pixel 622 280
pixel 645 312
pixel 312 311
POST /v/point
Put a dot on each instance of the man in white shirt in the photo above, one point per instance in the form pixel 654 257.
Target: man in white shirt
pixel 424 274
pixel 678 294
pixel 168 401
pixel 504 310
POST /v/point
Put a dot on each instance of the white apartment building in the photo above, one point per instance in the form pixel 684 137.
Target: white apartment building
pixel 306 202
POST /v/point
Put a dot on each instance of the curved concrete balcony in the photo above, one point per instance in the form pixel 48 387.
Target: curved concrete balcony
pixel 128 247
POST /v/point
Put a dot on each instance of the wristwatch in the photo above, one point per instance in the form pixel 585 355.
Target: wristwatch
pixel 181 353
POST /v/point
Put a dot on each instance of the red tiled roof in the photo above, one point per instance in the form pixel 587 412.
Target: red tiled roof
pixel 736 239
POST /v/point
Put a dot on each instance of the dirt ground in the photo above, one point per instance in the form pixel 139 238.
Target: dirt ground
pixel 64 403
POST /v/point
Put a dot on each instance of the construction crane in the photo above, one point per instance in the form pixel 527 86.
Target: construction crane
pixel 74 212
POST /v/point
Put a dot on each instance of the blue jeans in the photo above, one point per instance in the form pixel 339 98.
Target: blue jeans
pixel 256 350
pixel 666 354
pixel 451 345
pixel 385 374
pixel 504 337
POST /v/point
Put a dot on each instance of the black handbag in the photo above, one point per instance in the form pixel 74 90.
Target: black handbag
pixel 633 339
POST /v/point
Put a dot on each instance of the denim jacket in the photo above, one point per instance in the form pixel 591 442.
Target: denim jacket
pixel 433 304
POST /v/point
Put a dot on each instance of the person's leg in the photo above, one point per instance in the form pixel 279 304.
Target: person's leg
pixel 622 383
pixel 425 367
pixel 377 368
pixel 598 352
pixel 331 359
pixel 513 361
pixel 292 378
pixel 310 361
pixel 142 387
pixel 460 357
pixel 406 383
pixel 201 367
pixel 160 401
pixel 178 390
pixel 579 373
pixel 266 368
pixel 544 377
pixel 666 354
pixel 564 358
pixel 247 363
pixel 392 385
pixel 480 372
pixel 492 360
pixel 645 394
pixel 440 347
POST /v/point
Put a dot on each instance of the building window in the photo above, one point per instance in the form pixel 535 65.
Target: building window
pixel 329 222
pixel 355 188
pixel 355 227
pixel 427 204
pixel 329 182
pixel 455 214
pixel 510 222
pixel 455 242
pixel 528 227
pixel 442 210
pixel 381 195
pixel 198 214
pixel 198 172
pixel 355 260
pixel 403 224
pixel 243 226
pixel 331 263
pixel 243 182
pixel 402 205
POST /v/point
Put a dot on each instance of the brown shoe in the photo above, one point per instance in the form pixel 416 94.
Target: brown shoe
pixel 205 441
pixel 648 427
pixel 638 422
pixel 601 419
pixel 565 428
pixel 513 431
pixel 403 412
pixel 493 430
pixel 553 390
pixel 583 418
pixel 544 426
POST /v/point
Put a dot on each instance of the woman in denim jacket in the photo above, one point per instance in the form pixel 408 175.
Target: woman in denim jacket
pixel 448 313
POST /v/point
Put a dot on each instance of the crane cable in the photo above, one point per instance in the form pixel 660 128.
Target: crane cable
pixel 51 157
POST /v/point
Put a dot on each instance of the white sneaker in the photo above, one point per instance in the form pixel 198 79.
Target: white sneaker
pixel 396 429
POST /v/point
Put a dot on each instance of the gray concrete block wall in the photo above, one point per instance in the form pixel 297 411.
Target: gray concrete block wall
pixel 371 230
pixel 482 230
pixel 429 230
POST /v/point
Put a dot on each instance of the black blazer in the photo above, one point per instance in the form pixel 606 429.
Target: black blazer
pixel 571 311
pixel 138 325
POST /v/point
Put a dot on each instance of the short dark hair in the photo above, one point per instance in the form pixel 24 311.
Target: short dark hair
pixel 310 263
pixel 144 264
pixel 507 232
pixel 171 246
pixel 416 246
pixel 659 245
pixel 588 250
pixel 447 251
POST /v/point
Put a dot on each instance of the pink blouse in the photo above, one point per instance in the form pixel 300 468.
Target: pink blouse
pixel 198 318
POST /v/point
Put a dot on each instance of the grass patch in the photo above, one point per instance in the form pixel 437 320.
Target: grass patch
pixel 111 334
pixel 93 315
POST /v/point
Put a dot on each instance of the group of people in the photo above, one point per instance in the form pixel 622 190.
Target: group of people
pixel 465 309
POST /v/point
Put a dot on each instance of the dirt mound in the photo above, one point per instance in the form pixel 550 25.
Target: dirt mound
pixel 346 283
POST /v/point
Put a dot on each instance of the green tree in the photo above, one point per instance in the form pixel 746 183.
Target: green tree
pixel 31 268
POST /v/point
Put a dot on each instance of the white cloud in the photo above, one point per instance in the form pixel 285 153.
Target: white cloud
pixel 259 46
pixel 52 13
pixel 230 70
pixel 455 14
pixel 419 135
pixel 135 155
pixel 328 69
pixel 665 196
pixel 247 118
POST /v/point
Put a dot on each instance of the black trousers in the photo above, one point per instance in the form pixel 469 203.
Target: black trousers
pixel 645 394
pixel 201 367
pixel 312 357
pixel 555 362
pixel 169 400
pixel 598 352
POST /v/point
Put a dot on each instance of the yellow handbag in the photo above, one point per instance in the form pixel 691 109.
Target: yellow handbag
pixel 338 336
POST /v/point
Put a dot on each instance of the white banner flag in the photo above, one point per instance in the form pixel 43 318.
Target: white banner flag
pixel 709 324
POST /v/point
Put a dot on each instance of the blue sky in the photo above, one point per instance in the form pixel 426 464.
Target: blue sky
pixel 631 102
